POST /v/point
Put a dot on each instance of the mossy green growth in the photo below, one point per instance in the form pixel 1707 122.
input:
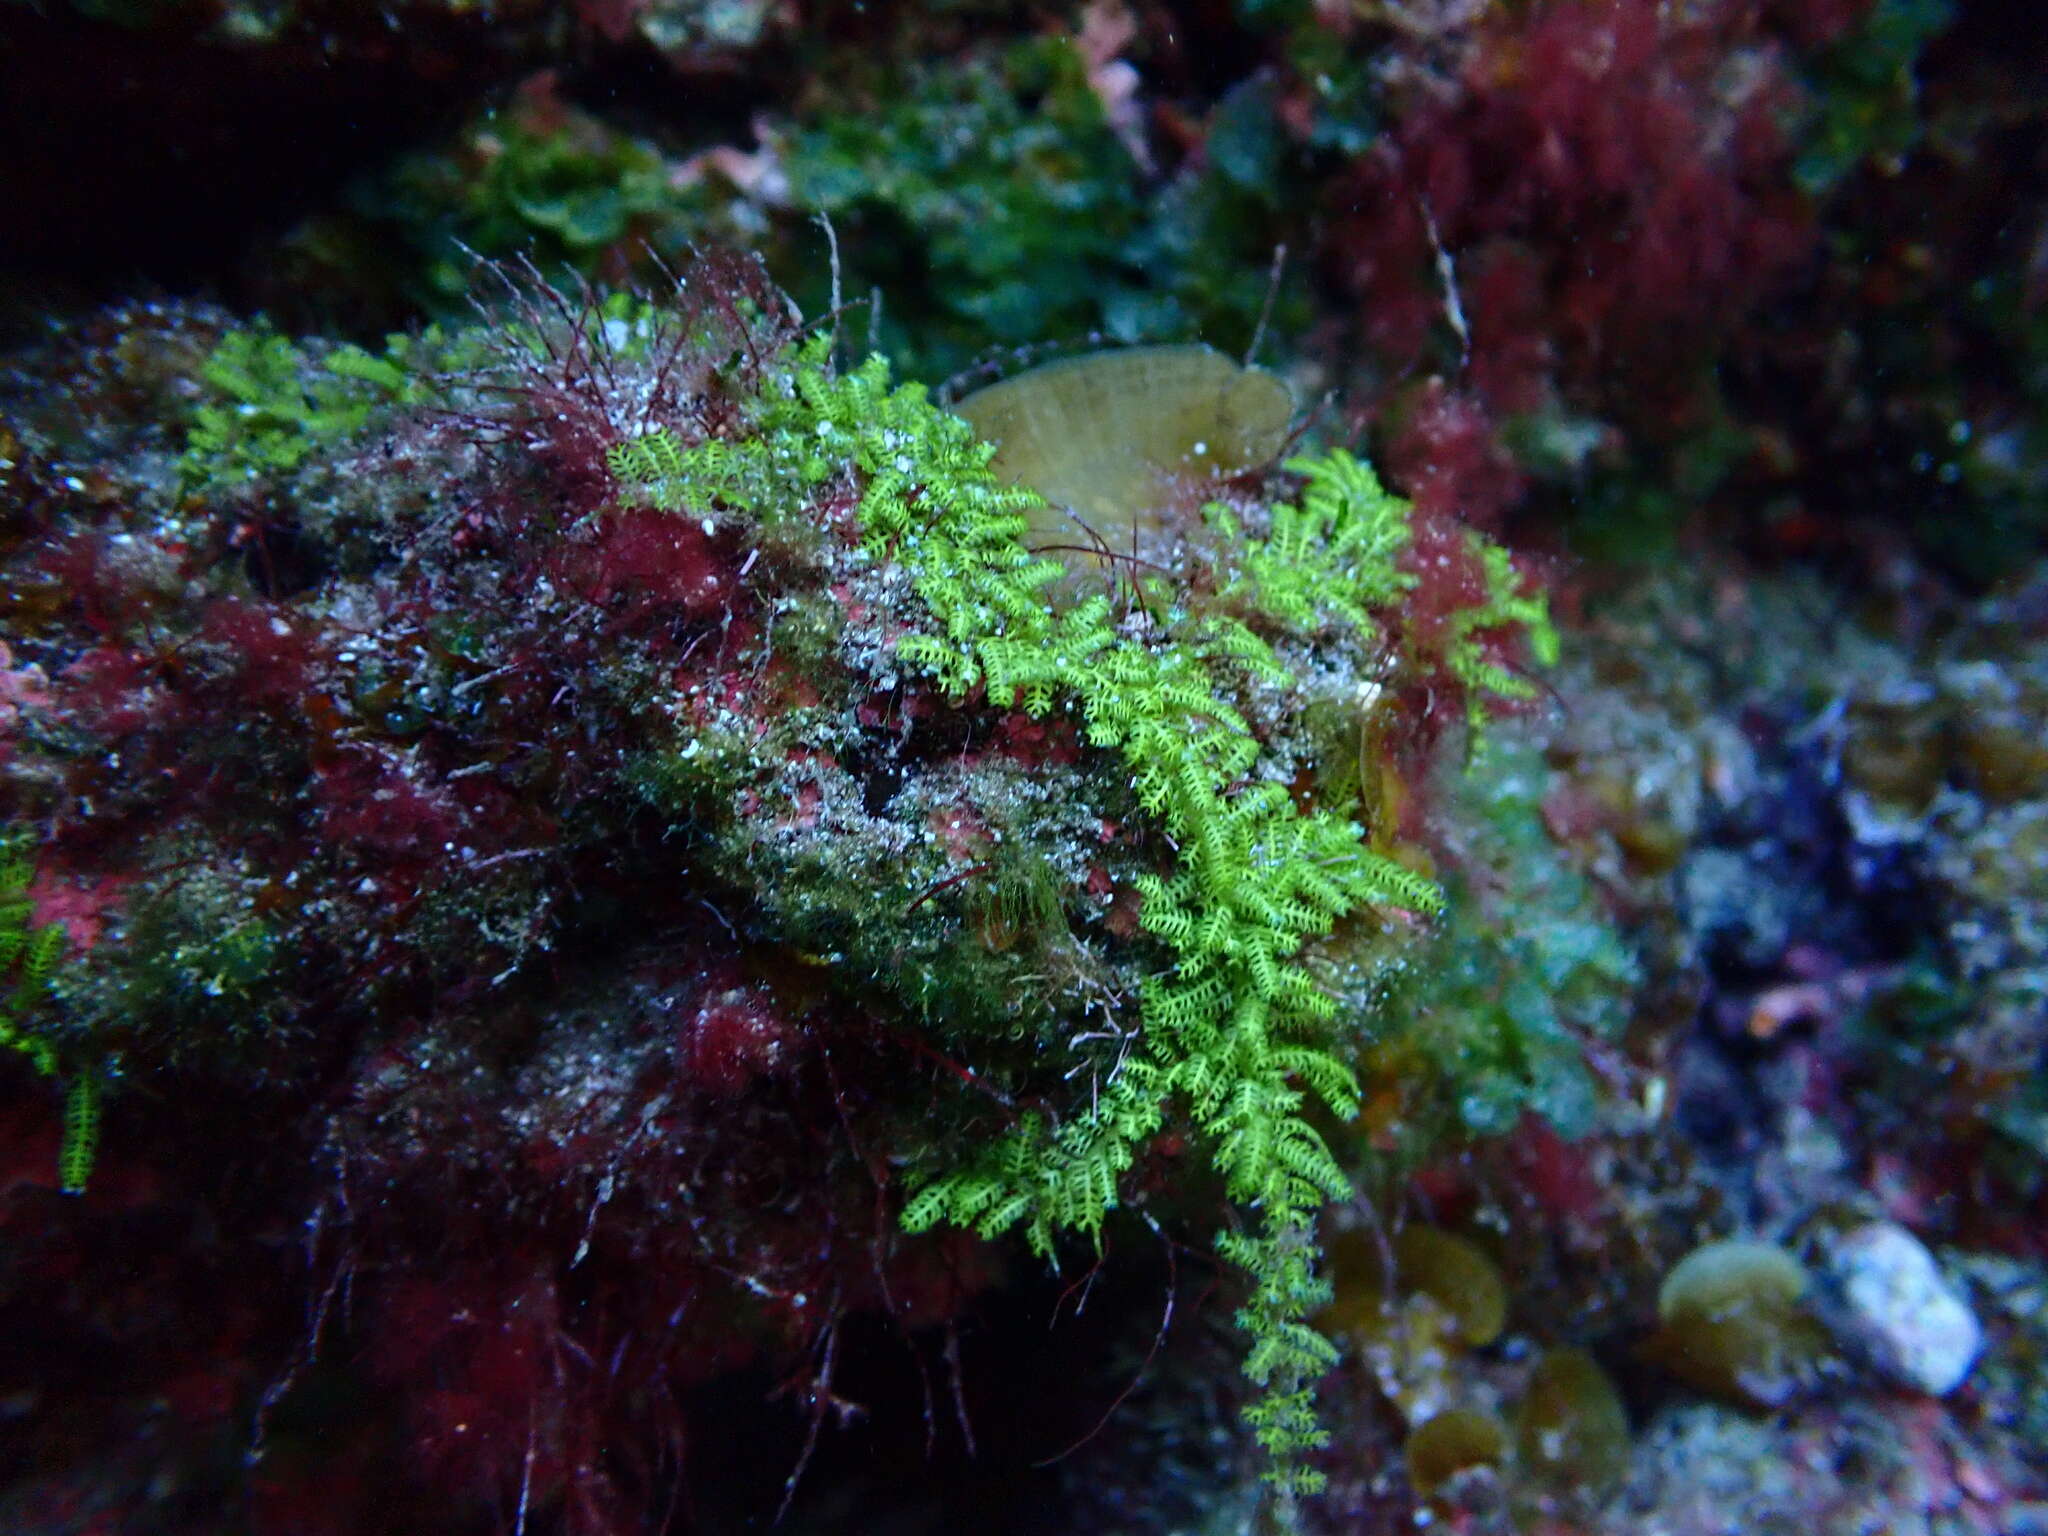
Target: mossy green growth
pixel 29 952
pixel 994 204
pixel 1328 562
pixel 198 956
pixel 1866 100
pixel 273 402
pixel 539 180
pixel 189 973
pixel 1497 1004
pixel 988 198
pixel 1236 1032
pixel 1509 605
pixel 1207 242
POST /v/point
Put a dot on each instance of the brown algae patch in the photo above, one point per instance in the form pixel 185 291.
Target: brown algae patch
pixel 1104 436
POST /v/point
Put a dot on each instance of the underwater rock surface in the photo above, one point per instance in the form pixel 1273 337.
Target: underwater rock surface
pixel 607 927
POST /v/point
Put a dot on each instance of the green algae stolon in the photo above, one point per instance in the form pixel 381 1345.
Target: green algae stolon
pixel 1102 436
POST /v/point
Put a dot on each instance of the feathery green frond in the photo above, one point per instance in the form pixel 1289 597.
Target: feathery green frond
pixel 28 954
pixel 1234 1027
pixel 81 1132
pixel 1329 561
pixel 271 403
pixel 1509 605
